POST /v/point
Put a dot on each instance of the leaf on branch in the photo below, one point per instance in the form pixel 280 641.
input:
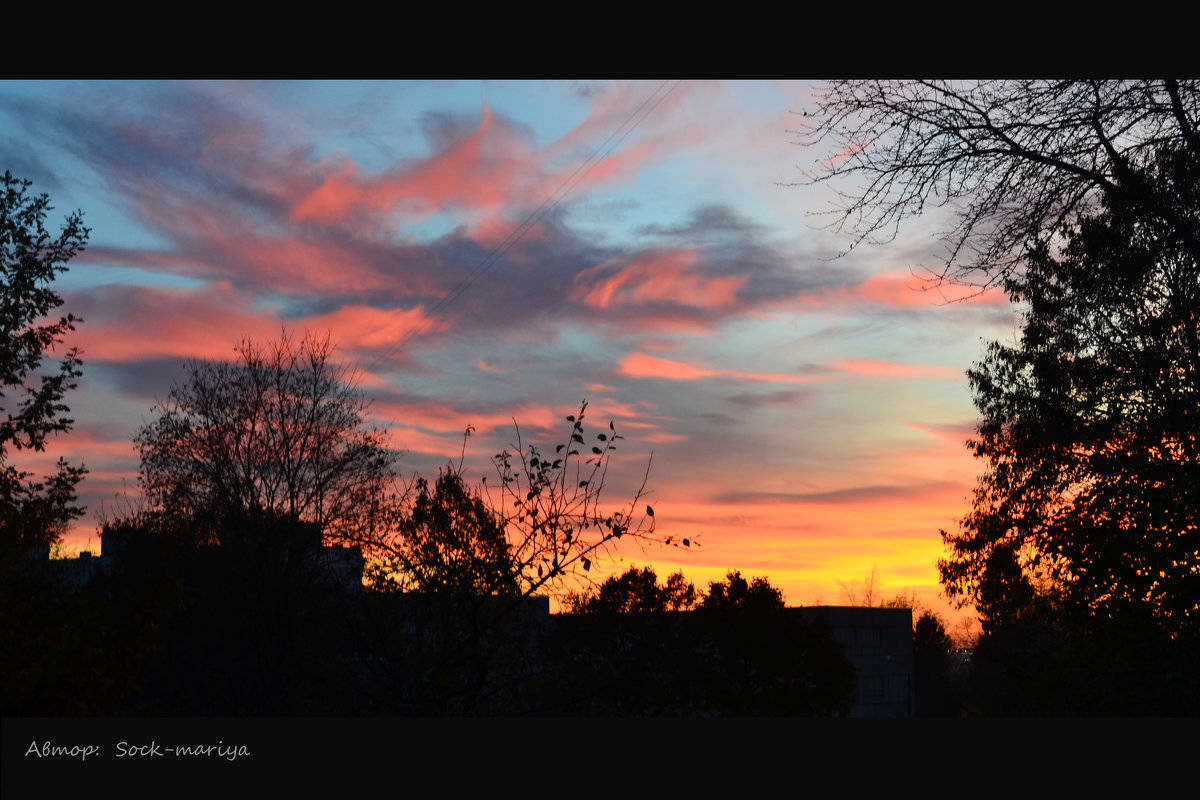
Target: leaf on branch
pixel 649 511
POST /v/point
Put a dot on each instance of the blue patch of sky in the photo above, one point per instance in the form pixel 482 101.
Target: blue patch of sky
pixel 91 276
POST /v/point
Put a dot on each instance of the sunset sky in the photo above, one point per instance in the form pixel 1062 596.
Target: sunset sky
pixel 491 251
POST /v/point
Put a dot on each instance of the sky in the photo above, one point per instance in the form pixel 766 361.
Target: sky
pixel 496 252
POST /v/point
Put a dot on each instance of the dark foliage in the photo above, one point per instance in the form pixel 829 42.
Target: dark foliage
pixel 450 542
pixel 934 678
pixel 736 593
pixel 635 591
pixel 33 513
pixel 1090 429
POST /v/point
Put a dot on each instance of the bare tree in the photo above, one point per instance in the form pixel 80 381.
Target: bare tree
pixel 281 432
pixel 869 593
pixel 1016 161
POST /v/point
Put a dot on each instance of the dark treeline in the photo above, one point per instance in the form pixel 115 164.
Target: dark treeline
pixel 277 624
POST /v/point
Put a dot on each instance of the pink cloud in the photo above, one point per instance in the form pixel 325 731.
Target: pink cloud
pixel 365 327
pixel 209 323
pixel 669 276
pixel 866 366
pixel 899 289
pixel 302 266
pixel 489 170
pixel 136 322
pixel 640 365
pixel 951 433
pixel 496 167
pixel 907 289
pixel 437 416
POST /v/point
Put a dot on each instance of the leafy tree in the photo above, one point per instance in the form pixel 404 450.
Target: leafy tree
pixel 34 512
pixel 635 591
pixel 1091 425
pixel 932 662
pixel 1016 161
pixel 281 433
pixel 736 593
pixel 451 542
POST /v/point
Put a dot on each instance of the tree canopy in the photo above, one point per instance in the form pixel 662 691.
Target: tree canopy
pixel 33 512
pixel 636 591
pixel 449 541
pixel 1091 422
pixel 735 592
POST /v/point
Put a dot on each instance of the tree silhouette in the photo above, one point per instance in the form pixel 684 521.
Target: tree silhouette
pixel 1016 161
pixel 550 514
pixel 635 591
pixel 33 513
pixel 59 651
pixel 932 661
pixel 281 433
pixel 1091 423
pixel 450 542
pixel 735 593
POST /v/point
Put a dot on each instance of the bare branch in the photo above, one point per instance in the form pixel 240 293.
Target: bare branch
pixel 1016 161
